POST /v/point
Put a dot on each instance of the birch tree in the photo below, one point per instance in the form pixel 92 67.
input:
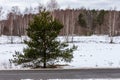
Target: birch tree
pixel 112 22
pixel 14 12
pixel 26 21
pixel 1 13
pixel 73 25
pixel 67 28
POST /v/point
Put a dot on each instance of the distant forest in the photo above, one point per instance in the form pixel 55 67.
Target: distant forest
pixel 76 21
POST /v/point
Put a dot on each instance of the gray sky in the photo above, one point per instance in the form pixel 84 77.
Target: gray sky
pixel 91 4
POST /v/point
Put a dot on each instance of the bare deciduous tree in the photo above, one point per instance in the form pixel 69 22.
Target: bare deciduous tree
pixel 40 7
pixel 52 5
pixel 13 23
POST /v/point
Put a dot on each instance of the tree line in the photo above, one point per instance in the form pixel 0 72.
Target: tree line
pixel 76 21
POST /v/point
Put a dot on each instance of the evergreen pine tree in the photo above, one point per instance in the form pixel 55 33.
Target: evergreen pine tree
pixel 100 17
pixel 82 21
pixel 43 49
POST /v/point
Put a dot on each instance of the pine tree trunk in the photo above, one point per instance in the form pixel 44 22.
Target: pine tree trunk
pixel 44 63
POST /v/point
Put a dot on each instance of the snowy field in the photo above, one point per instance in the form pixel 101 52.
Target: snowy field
pixel 92 52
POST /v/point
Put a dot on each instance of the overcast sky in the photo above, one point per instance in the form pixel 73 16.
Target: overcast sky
pixel 91 4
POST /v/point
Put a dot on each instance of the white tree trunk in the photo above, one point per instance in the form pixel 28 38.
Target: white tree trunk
pixel 73 26
pixel 67 29
pixel 113 25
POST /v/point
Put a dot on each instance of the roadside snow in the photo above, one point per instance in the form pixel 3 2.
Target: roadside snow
pixel 6 52
pixel 92 52
pixel 92 55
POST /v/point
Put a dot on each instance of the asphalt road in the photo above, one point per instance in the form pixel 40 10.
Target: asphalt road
pixel 59 74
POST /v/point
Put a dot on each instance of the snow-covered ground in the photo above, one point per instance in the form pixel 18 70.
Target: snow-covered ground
pixel 92 52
